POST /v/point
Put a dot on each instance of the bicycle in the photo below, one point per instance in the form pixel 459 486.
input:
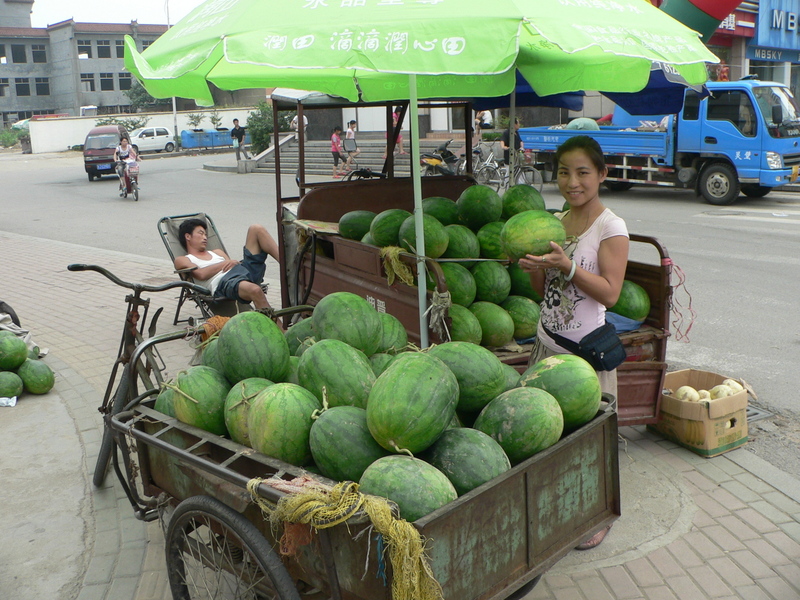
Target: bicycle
pixel 149 369
pixel 482 154
pixel 500 177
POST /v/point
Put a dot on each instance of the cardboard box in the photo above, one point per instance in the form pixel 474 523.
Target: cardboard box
pixel 709 427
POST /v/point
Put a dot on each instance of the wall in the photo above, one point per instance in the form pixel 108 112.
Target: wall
pixel 58 135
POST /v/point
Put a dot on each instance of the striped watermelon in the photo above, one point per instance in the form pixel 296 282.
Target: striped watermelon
pixel 464 326
pixel 478 371
pixel 519 198
pixel 252 345
pixel 525 314
pixel 385 226
pixel 436 238
pixel 497 326
pixel 394 337
pixel 349 318
pixel 478 205
pixel 489 240
pixel 443 209
pixel 531 232
pixel 237 407
pixel 521 283
pixel 463 243
pixel 355 224
pixel 336 372
pixel 492 282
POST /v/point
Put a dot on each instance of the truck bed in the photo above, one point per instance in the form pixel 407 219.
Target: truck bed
pixel 613 140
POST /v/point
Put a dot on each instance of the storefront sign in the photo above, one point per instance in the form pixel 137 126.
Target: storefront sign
pixel 779 26
pixel 773 54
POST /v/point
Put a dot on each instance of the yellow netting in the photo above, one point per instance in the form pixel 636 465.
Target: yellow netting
pixel 321 506
pixel 395 267
pixel 212 326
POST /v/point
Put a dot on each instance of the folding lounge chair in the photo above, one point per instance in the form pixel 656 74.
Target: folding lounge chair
pixel 208 305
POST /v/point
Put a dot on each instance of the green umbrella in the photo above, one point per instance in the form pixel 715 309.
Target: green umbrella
pixel 385 50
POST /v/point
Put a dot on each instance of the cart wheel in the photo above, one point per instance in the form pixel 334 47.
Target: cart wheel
pixel 214 552
pixel 107 445
pixel 525 589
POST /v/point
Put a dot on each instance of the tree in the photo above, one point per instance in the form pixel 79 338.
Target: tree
pixel 129 123
pixel 259 123
pixel 140 98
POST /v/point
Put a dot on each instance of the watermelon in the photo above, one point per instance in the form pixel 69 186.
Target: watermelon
pixel 367 239
pixel 412 402
pixel 279 422
pixel 252 345
pixel 13 352
pixel 297 333
pixel 237 406
pixel 394 337
pixel 34 352
pixel 291 376
pixel 519 198
pixel 304 345
pixel 467 457
pixel 478 205
pixel 436 238
pixel 454 422
pixel 165 402
pixel 349 318
pixel 572 381
pixel 354 225
pixel 210 356
pixel 464 326
pixel 479 373
pixel 525 314
pixel 489 240
pixel 463 243
pixel 37 377
pixel 341 443
pixel 6 332
pixel 200 398
pixel 336 372
pixel 521 283
pixel 385 226
pixel 443 209
pixel 633 302
pixel 460 283
pixel 512 377
pixel 531 232
pixel 497 326
pixel 416 487
pixel 492 282
pixel 380 362
pixel 10 384
pixel 523 421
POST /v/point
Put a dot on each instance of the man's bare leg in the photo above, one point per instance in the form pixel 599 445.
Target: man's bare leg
pixel 252 292
pixel 259 240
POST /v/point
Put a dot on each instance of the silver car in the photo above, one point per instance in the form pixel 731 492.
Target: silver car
pixel 146 139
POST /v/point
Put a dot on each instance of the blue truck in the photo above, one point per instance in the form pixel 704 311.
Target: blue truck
pixel 743 137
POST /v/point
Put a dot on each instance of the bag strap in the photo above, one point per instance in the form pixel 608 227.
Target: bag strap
pixel 573 347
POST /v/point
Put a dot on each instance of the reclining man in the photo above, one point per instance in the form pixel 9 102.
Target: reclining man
pixel 224 277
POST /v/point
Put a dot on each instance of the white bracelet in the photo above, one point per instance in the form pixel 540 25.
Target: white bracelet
pixel 571 271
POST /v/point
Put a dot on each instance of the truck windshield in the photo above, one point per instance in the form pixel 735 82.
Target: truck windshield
pixel 768 97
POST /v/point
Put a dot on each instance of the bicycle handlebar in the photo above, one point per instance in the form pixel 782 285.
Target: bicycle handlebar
pixel 140 286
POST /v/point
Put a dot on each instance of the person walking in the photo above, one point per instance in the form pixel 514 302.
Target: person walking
pixel 350 145
pixel 294 127
pixel 337 152
pixel 237 135
pixel 578 282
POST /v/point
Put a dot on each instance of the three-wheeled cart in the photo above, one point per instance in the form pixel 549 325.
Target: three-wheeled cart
pixel 491 543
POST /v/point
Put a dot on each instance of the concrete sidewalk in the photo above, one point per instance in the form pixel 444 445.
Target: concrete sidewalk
pixel 691 528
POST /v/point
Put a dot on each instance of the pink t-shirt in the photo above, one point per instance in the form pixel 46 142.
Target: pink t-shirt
pixel 336 143
pixel 566 310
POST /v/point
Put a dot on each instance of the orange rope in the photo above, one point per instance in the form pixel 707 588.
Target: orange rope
pixel 213 325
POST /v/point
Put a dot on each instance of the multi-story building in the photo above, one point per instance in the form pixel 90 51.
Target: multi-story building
pixel 62 67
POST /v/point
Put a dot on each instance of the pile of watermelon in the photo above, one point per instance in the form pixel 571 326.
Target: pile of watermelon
pixel 343 394
pixel 493 301
pixel 20 368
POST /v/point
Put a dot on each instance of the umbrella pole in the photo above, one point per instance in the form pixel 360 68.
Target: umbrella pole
pixel 416 178
pixel 512 137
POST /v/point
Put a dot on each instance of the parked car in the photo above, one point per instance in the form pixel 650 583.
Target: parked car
pixel 146 139
pixel 98 150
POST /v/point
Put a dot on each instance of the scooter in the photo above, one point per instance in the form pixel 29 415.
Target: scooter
pixel 129 180
pixel 440 162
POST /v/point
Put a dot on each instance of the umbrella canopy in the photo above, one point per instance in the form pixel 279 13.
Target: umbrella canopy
pixel 365 49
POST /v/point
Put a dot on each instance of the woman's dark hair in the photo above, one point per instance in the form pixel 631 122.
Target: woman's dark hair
pixel 582 142
pixel 188 227
pixel 335 129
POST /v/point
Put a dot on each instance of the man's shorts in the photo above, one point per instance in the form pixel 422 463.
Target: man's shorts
pixel 252 268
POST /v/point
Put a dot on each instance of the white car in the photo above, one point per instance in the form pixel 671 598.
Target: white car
pixel 147 139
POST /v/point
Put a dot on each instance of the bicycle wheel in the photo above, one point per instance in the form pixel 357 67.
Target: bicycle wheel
pixel 107 443
pixel 489 176
pixel 529 176
pixel 214 552
pixel 135 190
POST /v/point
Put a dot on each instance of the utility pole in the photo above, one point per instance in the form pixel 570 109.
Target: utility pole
pixel 174 106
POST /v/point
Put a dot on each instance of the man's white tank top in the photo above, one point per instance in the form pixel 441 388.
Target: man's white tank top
pixel 212 283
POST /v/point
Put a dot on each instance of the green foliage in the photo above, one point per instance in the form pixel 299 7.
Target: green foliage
pixel 9 137
pixel 215 118
pixel 195 119
pixel 492 136
pixel 129 123
pixel 141 99
pixel 259 124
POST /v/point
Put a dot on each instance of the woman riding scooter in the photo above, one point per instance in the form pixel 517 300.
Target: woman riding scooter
pixel 122 156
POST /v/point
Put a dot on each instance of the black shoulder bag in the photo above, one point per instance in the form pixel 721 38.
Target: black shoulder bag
pixel 601 348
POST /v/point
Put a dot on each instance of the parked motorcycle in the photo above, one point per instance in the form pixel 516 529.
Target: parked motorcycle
pixel 440 162
pixel 129 178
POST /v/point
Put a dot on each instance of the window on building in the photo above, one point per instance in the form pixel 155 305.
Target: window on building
pixel 106 82
pixel 120 48
pixel 42 86
pixel 18 54
pixel 84 48
pixel 39 53
pixel 125 81
pixel 103 48
pixel 145 44
pixel 3 86
pixel 23 85
pixel 3 59
pixel 87 82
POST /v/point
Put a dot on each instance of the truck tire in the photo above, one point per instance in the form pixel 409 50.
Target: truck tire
pixel 752 190
pixel 719 184
pixel 618 186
